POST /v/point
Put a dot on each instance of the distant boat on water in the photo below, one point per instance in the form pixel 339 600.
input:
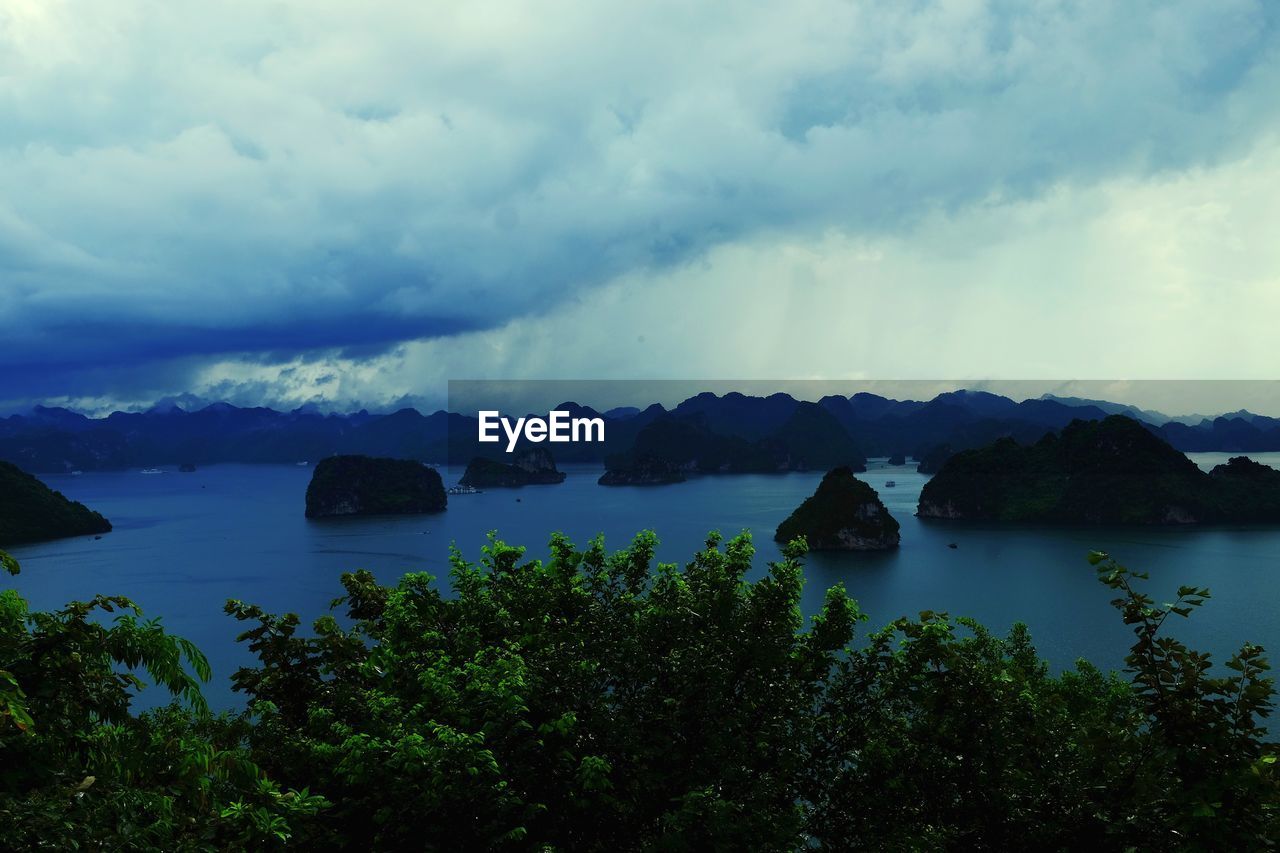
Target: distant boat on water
pixel 152 471
pixel 302 464
pixel 464 490
pixel 889 484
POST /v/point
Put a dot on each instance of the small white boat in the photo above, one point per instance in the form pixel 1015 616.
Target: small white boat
pixel 464 490
pixel 302 464
pixel 76 473
pixel 152 471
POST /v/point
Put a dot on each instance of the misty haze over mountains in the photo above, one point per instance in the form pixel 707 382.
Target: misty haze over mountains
pixel 49 440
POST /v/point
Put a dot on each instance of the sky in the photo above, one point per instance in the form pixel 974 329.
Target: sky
pixel 350 204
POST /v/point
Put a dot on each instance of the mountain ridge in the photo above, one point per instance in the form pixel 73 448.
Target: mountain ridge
pixel 55 439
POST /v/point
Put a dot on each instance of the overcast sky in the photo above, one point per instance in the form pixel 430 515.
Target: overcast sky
pixel 351 203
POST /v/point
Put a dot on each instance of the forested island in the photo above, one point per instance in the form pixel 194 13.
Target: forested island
pixel 934 458
pixel 1113 471
pixel 365 485
pixel 844 514
pixel 531 466
pixel 1252 489
pixel 642 470
pixel 809 438
pixel 30 511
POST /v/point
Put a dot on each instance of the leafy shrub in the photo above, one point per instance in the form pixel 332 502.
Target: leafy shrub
pixel 79 771
pixel 596 701
pixel 584 702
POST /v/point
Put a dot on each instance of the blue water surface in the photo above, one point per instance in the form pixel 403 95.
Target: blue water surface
pixel 185 543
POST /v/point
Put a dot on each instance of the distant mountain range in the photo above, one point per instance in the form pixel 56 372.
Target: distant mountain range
pixel 778 431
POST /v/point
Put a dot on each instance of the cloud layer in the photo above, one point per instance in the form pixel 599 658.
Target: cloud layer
pixel 194 194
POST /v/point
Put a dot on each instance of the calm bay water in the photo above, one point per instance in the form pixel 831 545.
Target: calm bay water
pixel 184 543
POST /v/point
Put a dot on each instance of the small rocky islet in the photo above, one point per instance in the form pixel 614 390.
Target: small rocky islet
pixel 366 485
pixel 643 470
pixel 532 466
pixel 844 514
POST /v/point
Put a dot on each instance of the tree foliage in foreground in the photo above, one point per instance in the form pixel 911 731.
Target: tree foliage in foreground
pixel 595 700
pixel 939 735
pixel 79 771
pixel 584 702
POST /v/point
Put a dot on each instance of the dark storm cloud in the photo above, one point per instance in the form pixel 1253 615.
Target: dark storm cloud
pixel 181 183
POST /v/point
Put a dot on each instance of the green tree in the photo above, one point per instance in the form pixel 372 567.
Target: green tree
pixel 585 702
pixel 595 701
pixel 1203 775
pixel 79 771
pixel 937 735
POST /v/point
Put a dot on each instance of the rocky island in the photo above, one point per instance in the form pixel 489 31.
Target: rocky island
pixel 809 438
pixel 532 466
pixel 366 485
pixel 1252 489
pixel 1113 471
pixel 932 459
pixel 643 471
pixel 844 514
pixel 30 511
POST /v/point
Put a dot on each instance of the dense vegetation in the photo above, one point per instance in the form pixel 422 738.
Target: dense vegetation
pixel 1111 471
pixel 365 485
pixel 812 439
pixel 1254 488
pixel 30 511
pixel 595 701
pixel 932 459
pixel 843 514
pixel 79 771
pixel 642 471
pixel 532 466
pixel 808 438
